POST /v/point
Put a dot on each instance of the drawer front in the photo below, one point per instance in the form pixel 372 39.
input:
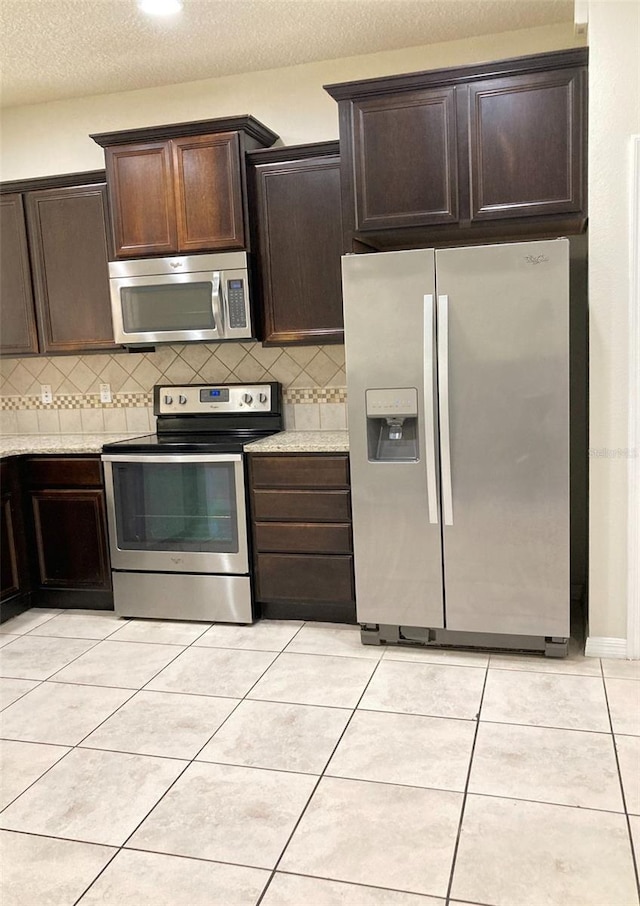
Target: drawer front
pixel 284 471
pixel 302 506
pixel 305 578
pixel 65 471
pixel 302 537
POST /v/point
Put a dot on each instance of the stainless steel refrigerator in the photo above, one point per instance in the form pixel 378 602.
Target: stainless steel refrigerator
pixel 458 406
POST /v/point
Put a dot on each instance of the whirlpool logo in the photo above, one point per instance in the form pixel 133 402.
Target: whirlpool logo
pixel 536 259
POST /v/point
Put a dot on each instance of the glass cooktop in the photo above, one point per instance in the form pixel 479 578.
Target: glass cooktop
pixel 163 444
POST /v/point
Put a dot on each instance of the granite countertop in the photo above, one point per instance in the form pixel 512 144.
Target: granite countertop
pixel 284 442
pixel 27 444
pixel 302 442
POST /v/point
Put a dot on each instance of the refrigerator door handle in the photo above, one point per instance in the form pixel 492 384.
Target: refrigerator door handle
pixel 443 400
pixel 429 414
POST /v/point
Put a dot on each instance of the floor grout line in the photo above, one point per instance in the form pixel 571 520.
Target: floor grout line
pixel 622 792
pixel 466 792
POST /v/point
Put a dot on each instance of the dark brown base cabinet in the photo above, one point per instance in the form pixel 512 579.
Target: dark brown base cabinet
pixel 53 266
pixel 295 198
pixel 67 522
pixel 301 526
pixel 13 557
pixel 490 151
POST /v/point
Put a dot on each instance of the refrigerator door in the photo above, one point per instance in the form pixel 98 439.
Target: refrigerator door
pixel 389 314
pixel 503 348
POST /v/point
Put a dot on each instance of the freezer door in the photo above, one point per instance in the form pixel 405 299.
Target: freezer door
pixel 389 314
pixel 503 349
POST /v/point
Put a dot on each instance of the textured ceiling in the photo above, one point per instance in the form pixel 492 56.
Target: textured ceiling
pixel 54 49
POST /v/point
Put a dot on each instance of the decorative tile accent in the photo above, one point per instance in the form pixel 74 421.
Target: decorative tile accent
pixel 315 395
pixel 76 401
pixel 293 395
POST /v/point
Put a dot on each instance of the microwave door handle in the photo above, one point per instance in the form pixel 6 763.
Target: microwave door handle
pixel 224 307
pixel 217 303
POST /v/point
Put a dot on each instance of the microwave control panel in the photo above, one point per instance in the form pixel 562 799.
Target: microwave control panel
pixel 237 304
pixel 200 399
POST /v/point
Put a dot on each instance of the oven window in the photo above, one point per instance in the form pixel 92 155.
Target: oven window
pixel 176 506
pixel 167 306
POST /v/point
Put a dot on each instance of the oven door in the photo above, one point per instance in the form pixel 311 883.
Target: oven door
pixel 177 513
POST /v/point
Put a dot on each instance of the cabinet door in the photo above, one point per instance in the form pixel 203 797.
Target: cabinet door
pixel 405 159
pixel 142 199
pixel 208 191
pixel 527 145
pixel 10 531
pixel 8 562
pixel 71 539
pixel 18 335
pixel 68 236
pixel 299 248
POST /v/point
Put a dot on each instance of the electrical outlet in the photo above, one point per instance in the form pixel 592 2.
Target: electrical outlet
pixel 105 393
pixel 45 393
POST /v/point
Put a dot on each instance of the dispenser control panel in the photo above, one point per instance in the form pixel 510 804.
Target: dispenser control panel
pixel 400 402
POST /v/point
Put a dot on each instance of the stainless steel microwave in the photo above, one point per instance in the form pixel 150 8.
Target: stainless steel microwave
pixel 196 298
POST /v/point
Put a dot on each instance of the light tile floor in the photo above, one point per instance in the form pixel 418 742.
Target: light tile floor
pixel 150 763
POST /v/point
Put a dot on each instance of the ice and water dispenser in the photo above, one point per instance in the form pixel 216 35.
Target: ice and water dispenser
pixel 392 424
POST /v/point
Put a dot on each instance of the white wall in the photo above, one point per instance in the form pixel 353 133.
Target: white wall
pixel 614 115
pixel 43 139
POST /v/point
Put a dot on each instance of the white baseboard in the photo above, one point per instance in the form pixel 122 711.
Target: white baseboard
pixel 598 646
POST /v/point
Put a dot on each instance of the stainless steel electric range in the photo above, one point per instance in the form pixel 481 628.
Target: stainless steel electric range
pixel 176 503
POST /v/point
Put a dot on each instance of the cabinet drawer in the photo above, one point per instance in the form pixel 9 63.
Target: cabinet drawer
pixel 305 579
pixel 64 470
pixel 302 506
pixel 284 471
pixel 300 537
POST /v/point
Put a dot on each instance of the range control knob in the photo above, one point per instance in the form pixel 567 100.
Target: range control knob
pixel 263 397
pixel 182 399
pixel 168 400
pixel 247 398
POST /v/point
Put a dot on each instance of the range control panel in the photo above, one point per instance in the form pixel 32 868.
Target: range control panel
pixel 200 399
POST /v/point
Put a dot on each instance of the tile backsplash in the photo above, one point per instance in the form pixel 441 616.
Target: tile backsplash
pixel 312 377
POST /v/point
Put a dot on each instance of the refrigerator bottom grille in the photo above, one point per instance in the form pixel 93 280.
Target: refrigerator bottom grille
pixel 381 634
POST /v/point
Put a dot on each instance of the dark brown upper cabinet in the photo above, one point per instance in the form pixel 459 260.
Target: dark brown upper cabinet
pixel 296 206
pixel 18 333
pixel 68 241
pixel 405 153
pixel 53 266
pixel 180 188
pixel 491 151
pixel 525 145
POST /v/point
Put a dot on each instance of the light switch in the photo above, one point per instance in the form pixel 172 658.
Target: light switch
pixel 45 393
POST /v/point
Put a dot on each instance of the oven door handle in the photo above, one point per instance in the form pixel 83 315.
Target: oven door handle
pixel 173 458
